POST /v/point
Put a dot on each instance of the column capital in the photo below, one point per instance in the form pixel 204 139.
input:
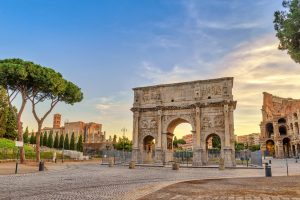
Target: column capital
pixel 159 113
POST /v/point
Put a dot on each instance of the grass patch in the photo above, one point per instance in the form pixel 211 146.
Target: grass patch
pixel 8 150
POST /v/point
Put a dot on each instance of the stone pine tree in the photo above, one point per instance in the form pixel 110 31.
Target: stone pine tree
pixel 61 141
pixel 15 79
pixel 72 142
pixel 56 142
pixel 287 26
pixel 41 139
pixel 50 140
pixel 45 139
pixel 80 144
pixel 25 135
pixel 67 143
pixel 49 87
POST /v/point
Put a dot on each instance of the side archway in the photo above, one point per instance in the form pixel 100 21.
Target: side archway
pixel 213 148
pixel 148 149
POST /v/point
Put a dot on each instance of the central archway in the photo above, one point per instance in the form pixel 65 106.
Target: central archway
pixel 179 140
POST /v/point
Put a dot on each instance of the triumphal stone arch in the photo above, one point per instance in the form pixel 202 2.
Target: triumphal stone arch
pixel 207 105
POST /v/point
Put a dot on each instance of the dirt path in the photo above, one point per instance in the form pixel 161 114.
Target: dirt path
pixel 241 188
pixel 31 167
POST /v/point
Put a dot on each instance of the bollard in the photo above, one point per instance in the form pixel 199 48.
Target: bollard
pixel 175 166
pixel 16 171
pixel 41 166
pixel 268 170
pixel 111 162
pixel 132 165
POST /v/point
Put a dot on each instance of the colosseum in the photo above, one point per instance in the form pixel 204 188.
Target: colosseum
pixel 280 126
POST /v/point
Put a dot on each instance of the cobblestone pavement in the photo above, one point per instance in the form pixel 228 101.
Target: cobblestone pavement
pixel 276 188
pixel 92 181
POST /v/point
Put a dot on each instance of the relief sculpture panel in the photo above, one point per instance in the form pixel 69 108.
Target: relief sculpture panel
pixel 200 103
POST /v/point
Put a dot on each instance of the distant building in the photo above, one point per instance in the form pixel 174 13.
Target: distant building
pixel 189 142
pixel 249 140
pixel 91 132
pixel 243 139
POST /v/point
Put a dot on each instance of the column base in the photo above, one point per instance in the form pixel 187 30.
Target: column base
pixel 134 155
pixel 197 157
pixel 158 156
pixel 229 157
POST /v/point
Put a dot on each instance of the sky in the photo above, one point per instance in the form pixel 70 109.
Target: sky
pixel 108 47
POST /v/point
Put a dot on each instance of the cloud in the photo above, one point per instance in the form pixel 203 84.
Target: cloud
pixel 256 65
pixel 195 16
pixel 113 112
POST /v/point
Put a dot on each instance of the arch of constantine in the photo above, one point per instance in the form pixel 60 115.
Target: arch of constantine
pixel 207 105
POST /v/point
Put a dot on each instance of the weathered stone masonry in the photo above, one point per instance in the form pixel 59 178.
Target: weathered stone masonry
pixel 206 104
pixel 280 136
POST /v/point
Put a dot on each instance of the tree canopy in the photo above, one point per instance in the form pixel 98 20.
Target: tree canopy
pixel 37 84
pixel 123 143
pixel 287 25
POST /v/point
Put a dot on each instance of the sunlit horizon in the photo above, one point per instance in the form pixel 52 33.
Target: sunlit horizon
pixel 107 50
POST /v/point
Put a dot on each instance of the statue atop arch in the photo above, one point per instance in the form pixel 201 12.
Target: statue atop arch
pixel 207 105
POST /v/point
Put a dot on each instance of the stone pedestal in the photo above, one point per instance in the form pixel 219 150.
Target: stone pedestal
pixel 221 164
pixel 111 161
pixel 197 157
pixel 229 158
pixel 158 156
pixel 135 153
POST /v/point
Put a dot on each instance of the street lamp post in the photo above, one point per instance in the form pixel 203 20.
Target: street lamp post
pixel 63 153
pixel 123 130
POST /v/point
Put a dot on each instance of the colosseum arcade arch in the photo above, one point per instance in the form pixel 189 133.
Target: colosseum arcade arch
pixel 207 105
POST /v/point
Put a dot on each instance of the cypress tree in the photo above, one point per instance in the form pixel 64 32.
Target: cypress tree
pixel 45 141
pixel 79 144
pixel 56 141
pixel 32 138
pixel 11 125
pixel 72 142
pixel 50 140
pixel 25 135
pixel 66 143
pixel 61 141
pixel 4 109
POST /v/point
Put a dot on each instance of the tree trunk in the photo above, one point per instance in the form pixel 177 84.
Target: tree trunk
pixel 38 142
pixel 20 130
